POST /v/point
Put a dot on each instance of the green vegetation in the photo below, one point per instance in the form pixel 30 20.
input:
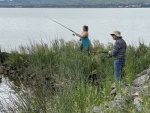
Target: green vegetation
pixel 57 75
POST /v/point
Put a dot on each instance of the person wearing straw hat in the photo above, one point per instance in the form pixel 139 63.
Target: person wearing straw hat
pixel 118 53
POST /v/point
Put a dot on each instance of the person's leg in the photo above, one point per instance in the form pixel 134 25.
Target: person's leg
pixel 117 70
pixel 122 64
pixel 81 47
pixel 88 51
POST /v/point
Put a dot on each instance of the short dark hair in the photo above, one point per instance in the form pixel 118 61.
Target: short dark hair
pixel 86 28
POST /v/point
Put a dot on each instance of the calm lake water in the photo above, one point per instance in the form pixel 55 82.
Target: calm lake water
pixel 20 25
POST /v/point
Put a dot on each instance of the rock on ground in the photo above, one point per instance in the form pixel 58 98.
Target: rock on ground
pixel 97 109
pixel 121 102
pixel 141 80
pixel 137 103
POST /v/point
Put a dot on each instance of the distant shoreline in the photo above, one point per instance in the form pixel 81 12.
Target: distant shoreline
pixel 79 6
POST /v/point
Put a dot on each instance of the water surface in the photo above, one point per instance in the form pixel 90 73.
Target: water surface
pixel 19 25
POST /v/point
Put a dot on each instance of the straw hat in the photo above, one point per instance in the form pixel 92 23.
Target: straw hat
pixel 117 33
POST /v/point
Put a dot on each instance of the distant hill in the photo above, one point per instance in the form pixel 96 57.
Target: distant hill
pixel 72 3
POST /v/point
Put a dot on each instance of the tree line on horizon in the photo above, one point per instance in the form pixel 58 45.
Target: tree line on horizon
pixel 73 3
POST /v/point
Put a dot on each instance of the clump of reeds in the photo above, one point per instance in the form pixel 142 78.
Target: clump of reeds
pixel 60 74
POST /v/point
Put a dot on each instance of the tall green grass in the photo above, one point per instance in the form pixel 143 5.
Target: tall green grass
pixel 60 72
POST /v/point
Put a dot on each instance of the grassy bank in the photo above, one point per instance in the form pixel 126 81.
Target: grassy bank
pixel 58 75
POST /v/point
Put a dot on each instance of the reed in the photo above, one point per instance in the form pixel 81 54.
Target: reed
pixel 61 73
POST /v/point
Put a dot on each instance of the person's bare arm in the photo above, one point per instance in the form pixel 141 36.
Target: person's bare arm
pixel 83 35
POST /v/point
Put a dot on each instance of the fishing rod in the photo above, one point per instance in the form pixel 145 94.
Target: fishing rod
pixel 100 52
pixel 103 52
pixel 62 25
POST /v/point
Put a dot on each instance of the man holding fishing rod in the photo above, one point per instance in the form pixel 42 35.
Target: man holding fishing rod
pixel 118 53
